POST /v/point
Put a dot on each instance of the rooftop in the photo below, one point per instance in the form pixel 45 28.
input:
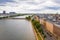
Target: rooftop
pixel 51 18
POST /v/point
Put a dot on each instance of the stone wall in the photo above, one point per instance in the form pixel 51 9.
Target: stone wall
pixel 56 31
pixel 49 26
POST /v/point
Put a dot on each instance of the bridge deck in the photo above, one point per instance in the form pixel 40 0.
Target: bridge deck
pixel 17 18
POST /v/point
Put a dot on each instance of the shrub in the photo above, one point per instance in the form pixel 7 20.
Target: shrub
pixel 28 18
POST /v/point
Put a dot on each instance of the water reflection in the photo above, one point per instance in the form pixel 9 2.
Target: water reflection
pixel 11 29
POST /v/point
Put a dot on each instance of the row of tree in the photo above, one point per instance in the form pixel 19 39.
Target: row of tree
pixel 38 26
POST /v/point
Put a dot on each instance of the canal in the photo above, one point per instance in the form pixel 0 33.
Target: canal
pixel 16 29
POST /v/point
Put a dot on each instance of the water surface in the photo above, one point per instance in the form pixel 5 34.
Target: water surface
pixel 13 29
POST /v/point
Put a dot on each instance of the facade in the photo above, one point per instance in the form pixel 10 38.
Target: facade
pixel 51 26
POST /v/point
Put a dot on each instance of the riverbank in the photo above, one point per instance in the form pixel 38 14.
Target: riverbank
pixel 37 34
pixel 38 31
pixel 34 32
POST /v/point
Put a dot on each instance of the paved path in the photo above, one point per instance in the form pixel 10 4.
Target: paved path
pixel 48 36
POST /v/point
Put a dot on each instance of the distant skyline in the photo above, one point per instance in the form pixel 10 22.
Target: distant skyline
pixel 30 6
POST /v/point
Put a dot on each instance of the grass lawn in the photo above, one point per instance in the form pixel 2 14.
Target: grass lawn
pixel 39 37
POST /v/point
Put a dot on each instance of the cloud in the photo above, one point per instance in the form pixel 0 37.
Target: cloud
pixel 30 6
pixel 56 1
pixel 53 8
pixel 4 1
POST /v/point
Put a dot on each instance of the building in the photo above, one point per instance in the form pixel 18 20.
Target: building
pixel 51 24
pixel 4 12
pixel 12 13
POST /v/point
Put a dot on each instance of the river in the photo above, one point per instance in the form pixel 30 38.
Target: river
pixel 16 29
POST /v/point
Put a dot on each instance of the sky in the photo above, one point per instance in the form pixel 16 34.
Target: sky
pixel 30 6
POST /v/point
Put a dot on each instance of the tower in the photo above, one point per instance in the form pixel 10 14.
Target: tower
pixel 4 12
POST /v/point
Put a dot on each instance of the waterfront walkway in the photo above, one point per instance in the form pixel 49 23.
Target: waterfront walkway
pixel 48 36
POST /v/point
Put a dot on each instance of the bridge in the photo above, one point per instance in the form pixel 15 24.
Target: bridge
pixel 22 16
pixel 17 18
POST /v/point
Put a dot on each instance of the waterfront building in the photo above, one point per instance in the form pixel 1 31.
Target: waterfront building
pixel 51 24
